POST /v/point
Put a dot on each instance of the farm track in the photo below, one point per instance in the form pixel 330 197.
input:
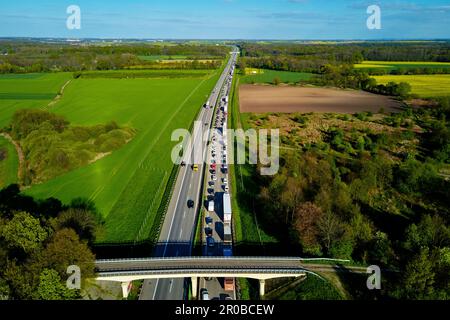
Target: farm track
pixel 58 96
pixel 19 154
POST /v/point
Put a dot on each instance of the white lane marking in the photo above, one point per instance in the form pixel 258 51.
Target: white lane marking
pixel 156 287
pixel 171 283
pixel 181 231
pixel 184 213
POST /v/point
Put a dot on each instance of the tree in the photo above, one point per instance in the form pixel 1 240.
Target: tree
pixel 418 278
pixel 65 249
pixel 330 229
pixel 82 221
pixel 305 225
pixel 51 287
pixel 430 232
pixel 276 81
pixel 4 290
pixel 24 232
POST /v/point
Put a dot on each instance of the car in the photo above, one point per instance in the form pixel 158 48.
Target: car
pixel 210 241
pixel 209 231
pixel 226 188
pixel 214 177
pixel 225 180
pixel 190 203
pixel 195 167
pixel 183 163
pixel 208 220
pixel 205 295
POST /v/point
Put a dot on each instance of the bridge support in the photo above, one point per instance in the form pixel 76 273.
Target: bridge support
pixel 262 287
pixel 194 281
pixel 125 289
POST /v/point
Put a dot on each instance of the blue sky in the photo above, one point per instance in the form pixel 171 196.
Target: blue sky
pixel 226 19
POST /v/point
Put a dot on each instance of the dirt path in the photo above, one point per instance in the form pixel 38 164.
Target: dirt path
pixel 58 96
pixel 19 154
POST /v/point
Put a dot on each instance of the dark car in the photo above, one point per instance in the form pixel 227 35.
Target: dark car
pixel 209 232
pixel 210 241
pixel 190 203
pixel 209 220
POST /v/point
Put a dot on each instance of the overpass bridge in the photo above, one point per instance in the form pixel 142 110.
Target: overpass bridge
pixel 260 268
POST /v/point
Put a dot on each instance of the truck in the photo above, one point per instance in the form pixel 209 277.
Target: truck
pixel 227 236
pixel 228 284
pixel 227 208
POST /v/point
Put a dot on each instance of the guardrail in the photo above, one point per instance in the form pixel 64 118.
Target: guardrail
pixel 205 271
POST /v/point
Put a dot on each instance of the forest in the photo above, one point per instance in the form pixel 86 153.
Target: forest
pixel 371 188
pixel 39 240
pixel 32 56
pixel 312 57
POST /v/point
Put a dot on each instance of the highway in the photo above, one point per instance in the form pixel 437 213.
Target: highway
pixel 180 221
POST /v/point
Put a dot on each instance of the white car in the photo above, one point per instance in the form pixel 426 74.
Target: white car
pixel 225 181
pixel 214 177
pixel 226 188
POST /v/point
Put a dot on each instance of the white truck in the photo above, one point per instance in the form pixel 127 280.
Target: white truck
pixel 227 237
pixel 227 208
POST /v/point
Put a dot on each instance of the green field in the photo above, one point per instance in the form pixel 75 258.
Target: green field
pixel 392 65
pixel 145 74
pixel 128 185
pixel 425 86
pixel 9 163
pixel 18 91
pixel 163 57
pixel 268 76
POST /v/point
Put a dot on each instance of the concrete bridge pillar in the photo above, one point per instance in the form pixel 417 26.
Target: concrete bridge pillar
pixel 125 289
pixel 194 282
pixel 262 287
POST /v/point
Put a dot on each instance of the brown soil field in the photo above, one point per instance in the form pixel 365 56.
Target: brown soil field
pixel 288 99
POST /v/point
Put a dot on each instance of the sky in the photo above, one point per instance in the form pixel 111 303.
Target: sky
pixel 227 19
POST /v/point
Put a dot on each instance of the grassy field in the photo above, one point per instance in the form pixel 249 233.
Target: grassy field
pixel 392 65
pixel 145 74
pixel 268 76
pixel 18 91
pixel 127 186
pixel 9 163
pixel 163 57
pixel 312 288
pixel 425 86
pixel 245 221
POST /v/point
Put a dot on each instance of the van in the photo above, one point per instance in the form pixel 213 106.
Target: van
pixel 211 206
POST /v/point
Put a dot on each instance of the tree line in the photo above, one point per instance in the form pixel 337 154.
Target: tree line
pixel 27 57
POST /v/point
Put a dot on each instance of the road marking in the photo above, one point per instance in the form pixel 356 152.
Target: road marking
pixel 181 231
pixel 184 213
pixel 171 283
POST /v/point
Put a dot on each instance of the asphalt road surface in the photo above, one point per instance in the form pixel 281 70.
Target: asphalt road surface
pixel 179 224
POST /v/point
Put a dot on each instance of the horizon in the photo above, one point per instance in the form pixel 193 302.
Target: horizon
pixel 275 20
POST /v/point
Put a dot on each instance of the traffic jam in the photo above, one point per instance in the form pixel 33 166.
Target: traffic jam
pixel 217 233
